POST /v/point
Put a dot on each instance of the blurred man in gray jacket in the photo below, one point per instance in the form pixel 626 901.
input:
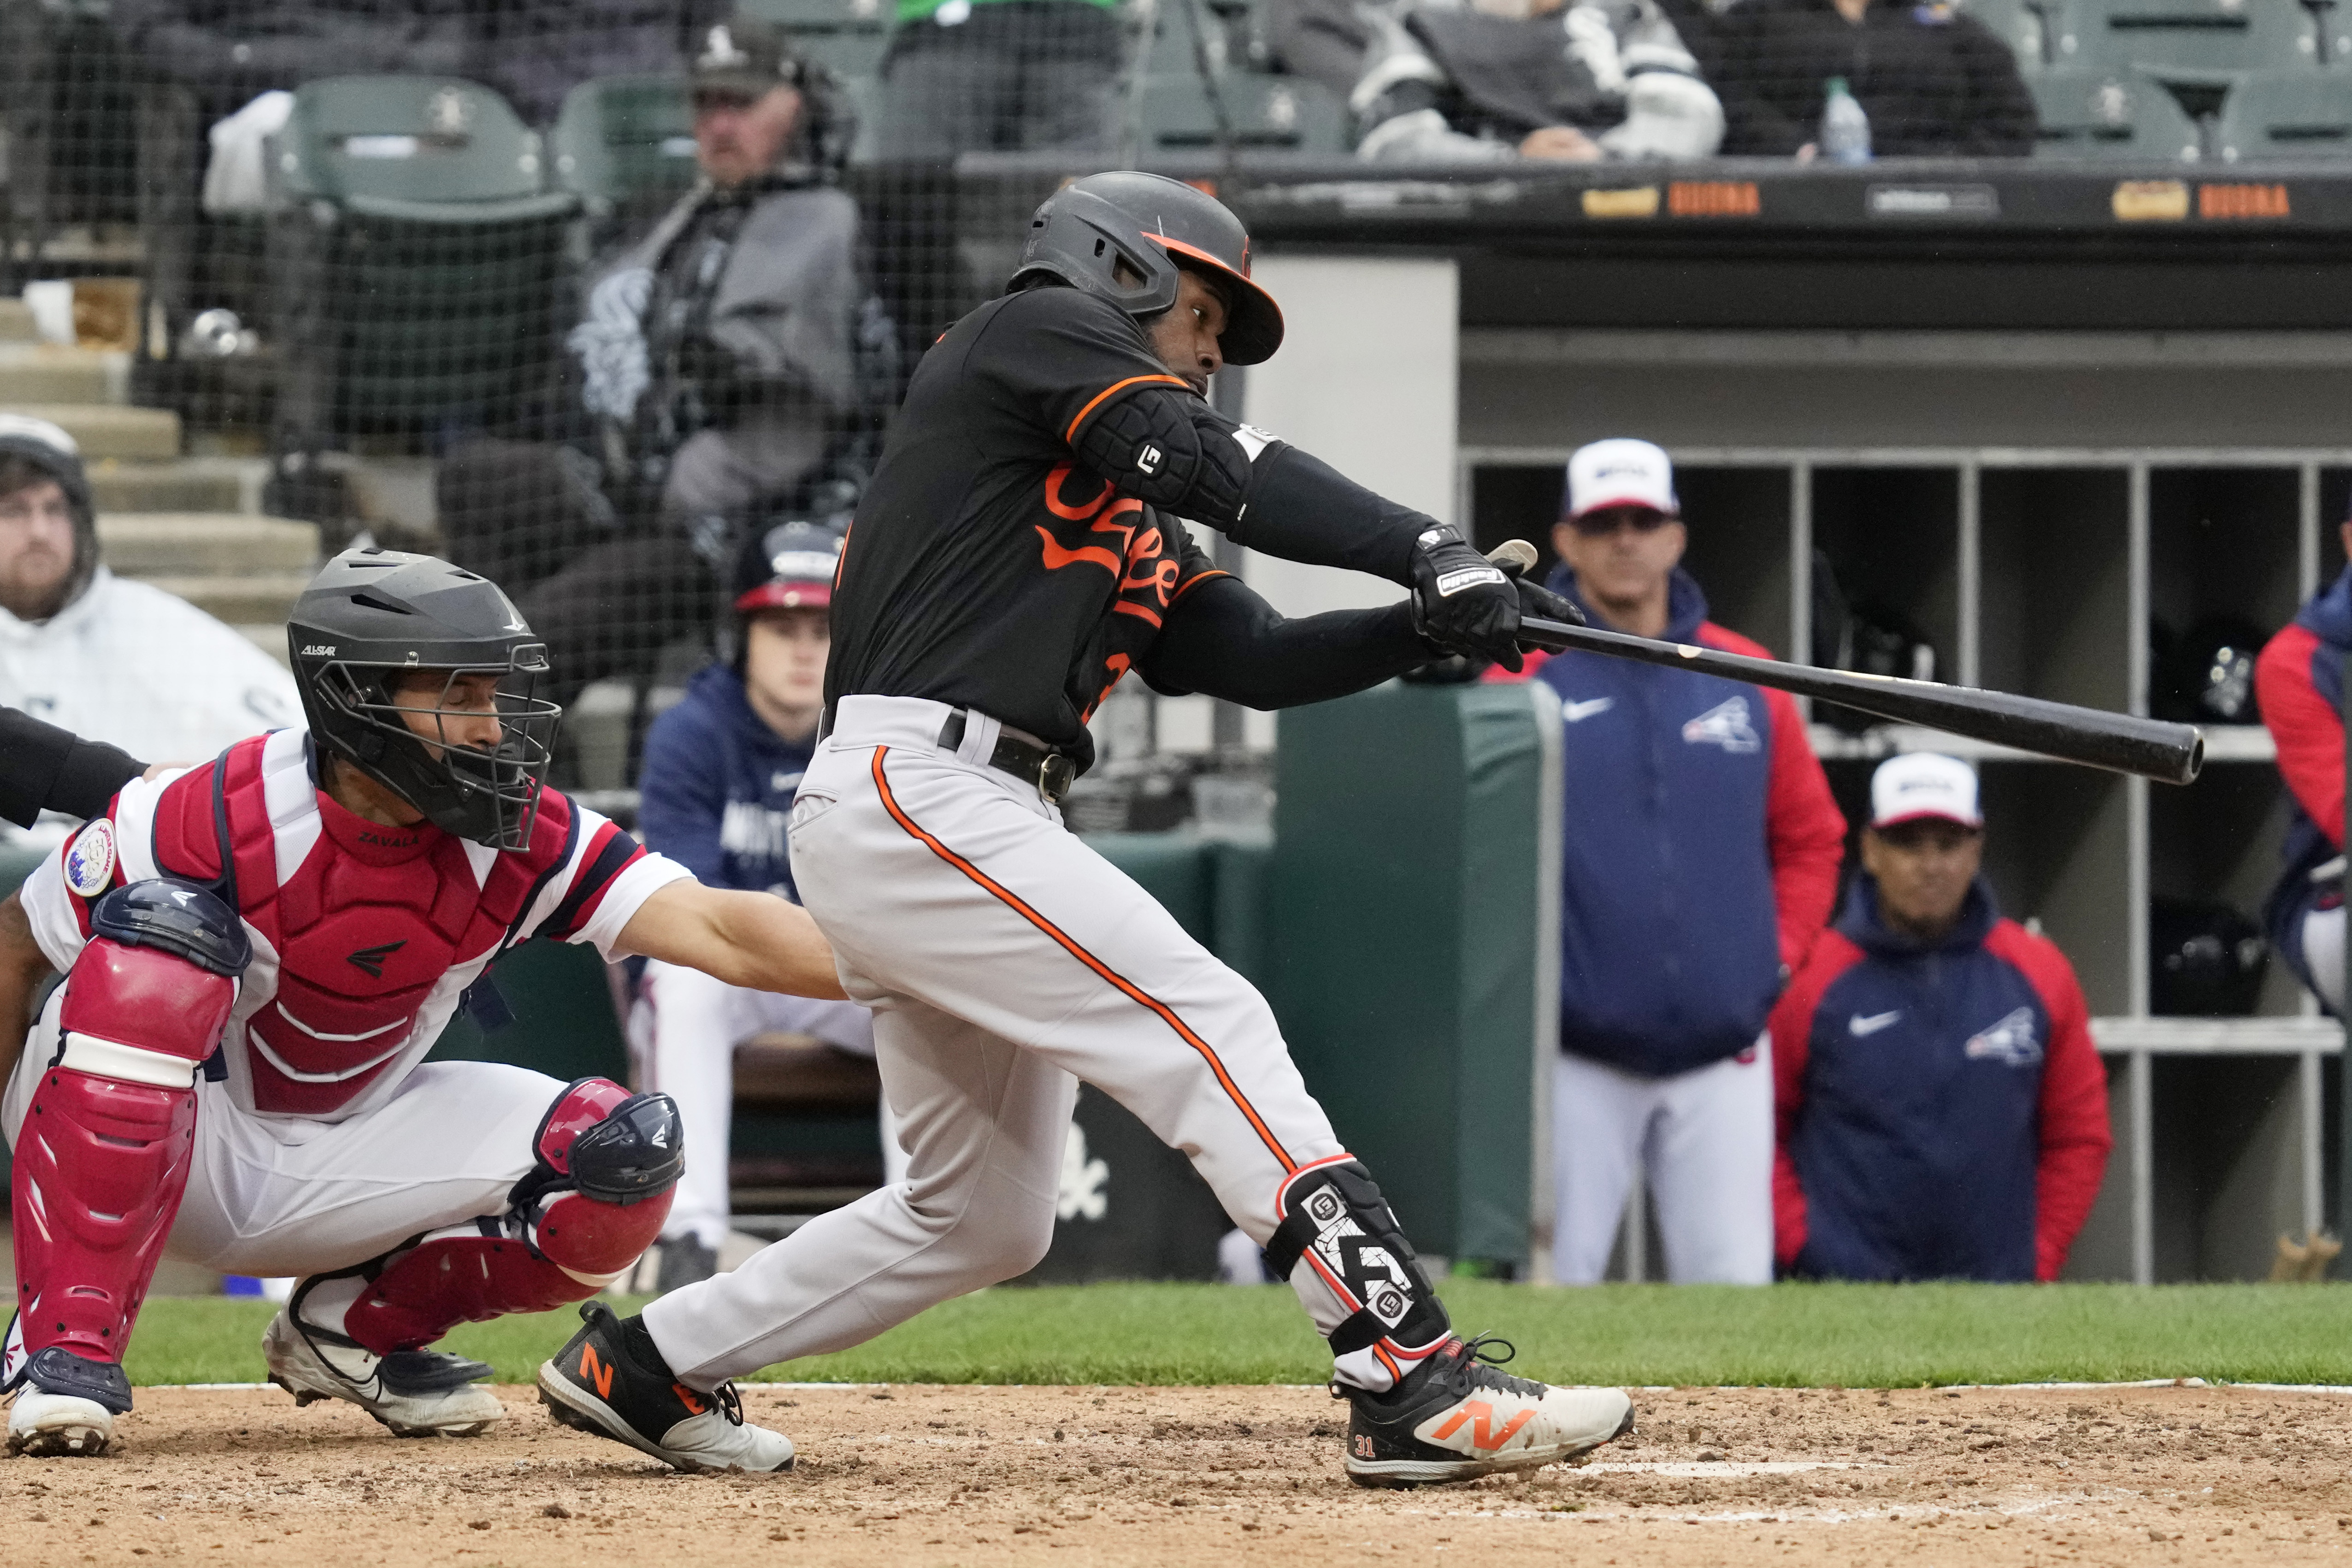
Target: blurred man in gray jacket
pixel 732 363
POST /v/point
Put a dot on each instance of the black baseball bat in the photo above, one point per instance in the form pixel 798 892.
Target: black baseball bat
pixel 2153 748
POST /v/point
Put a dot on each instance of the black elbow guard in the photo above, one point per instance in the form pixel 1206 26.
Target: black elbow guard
pixel 1173 451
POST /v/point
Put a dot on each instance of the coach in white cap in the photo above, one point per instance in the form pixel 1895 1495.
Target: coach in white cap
pixel 1700 850
pixel 1942 1112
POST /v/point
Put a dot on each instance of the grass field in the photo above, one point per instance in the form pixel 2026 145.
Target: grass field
pixel 1796 1335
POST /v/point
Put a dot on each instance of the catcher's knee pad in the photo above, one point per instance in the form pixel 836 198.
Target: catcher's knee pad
pixel 102 1158
pixel 1334 1219
pixel 607 1164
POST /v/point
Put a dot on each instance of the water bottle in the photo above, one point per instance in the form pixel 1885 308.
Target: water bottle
pixel 1845 129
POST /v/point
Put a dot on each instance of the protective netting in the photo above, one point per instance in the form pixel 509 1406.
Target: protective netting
pixel 490 277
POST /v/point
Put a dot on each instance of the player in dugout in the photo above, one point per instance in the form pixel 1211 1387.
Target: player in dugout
pixel 1942 1112
pixel 1023 546
pixel 2299 685
pixel 257 954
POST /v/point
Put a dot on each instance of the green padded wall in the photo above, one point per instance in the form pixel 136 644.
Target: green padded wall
pixel 1413 916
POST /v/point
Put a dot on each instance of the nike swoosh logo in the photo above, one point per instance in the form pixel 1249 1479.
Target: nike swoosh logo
pixel 1860 1026
pixel 1578 712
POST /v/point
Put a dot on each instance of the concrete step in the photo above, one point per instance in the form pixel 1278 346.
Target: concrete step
pixel 104 430
pixel 247 599
pixel 46 373
pixel 270 639
pixel 186 485
pixel 152 544
pixel 16 322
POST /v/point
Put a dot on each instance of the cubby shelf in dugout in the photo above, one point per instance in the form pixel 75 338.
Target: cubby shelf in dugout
pixel 2047 571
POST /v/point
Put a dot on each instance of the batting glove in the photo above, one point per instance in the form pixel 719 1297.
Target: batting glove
pixel 1462 602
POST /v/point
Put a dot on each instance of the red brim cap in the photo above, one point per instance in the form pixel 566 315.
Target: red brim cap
pixel 1253 322
pixel 1644 502
pixel 1928 815
pixel 786 597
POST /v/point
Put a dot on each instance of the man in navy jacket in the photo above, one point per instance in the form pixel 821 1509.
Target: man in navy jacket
pixel 1943 1113
pixel 1700 859
pixel 2299 681
pixel 721 771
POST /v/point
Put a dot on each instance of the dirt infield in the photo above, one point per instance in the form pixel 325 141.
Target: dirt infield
pixel 925 1475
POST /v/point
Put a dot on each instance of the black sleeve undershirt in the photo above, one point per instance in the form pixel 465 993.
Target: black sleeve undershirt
pixel 1223 640
pixel 42 767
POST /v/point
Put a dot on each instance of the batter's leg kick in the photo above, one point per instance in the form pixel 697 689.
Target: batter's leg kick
pixel 102 1157
pixel 1004 960
pixel 607 1164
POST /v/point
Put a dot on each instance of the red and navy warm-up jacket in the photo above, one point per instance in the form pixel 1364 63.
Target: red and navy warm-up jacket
pixel 1943 1113
pixel 2299 682
pixel 1700 857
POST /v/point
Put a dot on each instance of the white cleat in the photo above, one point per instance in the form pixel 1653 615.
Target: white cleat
pixel 1455 1418
pixel 610 1381
pixel 59 1425
pixel 415 1393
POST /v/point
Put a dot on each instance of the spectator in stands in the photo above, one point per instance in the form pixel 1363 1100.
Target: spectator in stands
pixel 732 365
pixel 115 661
pixel 227 51
pixel 1699 861
pixel 971 76
pixel 1534 79
pixel 721 769
pixel 1943 1113
pixel 1935 83
pixel 2299 687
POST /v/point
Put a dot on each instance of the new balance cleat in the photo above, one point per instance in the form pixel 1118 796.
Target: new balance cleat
pixel 611 1380
pixel 414 1393
pixel 65 1406
pixel 1455 1418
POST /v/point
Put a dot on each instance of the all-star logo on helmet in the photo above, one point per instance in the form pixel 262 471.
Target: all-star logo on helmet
pixel 374 616
pixel 1124 236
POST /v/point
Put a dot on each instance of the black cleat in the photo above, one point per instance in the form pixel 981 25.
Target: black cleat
pixel 611 1380
pixel 1455 1418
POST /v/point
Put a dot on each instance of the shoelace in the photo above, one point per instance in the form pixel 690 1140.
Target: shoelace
pixel 1474 1367
pixel 730 1403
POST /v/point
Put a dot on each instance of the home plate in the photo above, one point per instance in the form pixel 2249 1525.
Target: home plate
pixel 1721 1468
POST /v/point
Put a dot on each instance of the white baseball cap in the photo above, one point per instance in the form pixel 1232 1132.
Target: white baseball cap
pixel 1922 785
pixel 1621 471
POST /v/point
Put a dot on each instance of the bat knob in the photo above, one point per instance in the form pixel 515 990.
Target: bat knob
pixel 1515 556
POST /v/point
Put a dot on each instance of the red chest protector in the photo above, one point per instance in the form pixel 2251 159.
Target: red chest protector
pixel 373 920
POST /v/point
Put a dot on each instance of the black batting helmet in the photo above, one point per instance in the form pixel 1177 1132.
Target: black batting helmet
pixel 1154 226
pixel 372 614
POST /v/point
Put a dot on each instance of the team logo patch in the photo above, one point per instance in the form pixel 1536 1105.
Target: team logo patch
pixel 90 859
pixel 2011 1042
pixel 1725 724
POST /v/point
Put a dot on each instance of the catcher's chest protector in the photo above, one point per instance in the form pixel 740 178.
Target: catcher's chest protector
pixel 364 927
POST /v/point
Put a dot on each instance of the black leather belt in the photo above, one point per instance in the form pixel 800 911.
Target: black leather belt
pixel 1049 769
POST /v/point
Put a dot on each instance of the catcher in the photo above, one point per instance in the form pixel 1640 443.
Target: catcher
pixel 257 954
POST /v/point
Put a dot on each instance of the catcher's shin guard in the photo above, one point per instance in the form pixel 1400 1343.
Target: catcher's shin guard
pixel 1335 1223
pixel 594 1201
pixel 102 1158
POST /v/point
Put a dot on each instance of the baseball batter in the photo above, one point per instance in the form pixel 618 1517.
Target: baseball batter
pixel 257 954
pixel 1022 549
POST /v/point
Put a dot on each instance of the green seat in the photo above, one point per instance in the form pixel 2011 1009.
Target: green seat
pixel 2032 28
pixel 619 141
pixel 2109 114
pixel 416 261
pixel 1282 113
pixel 850 54
pixel 2199 34
pixel 2304 114
pixel 820 15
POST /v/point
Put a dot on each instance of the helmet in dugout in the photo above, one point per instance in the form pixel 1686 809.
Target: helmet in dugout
pixel 371 617
pixel 1123 237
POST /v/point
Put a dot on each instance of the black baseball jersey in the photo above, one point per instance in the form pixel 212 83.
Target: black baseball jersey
pixel 986 568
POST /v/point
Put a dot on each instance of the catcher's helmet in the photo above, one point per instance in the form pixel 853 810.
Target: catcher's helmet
pixel 372 614
pixel 1085 231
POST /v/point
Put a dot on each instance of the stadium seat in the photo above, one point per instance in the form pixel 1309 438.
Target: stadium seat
pixel 2110 114
pixel 2303 115
pixel 1262 112
pixel 2029 28
pixel 2197 35
pixel 621 140
pixel 418 260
